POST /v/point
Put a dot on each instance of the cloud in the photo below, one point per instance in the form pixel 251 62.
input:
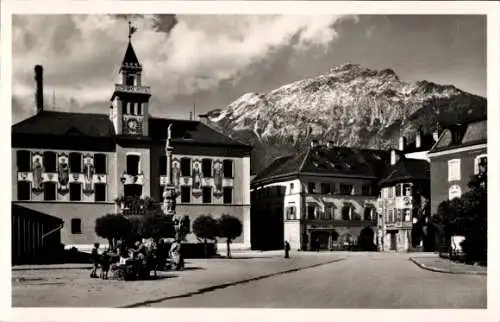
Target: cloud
pixel 182 55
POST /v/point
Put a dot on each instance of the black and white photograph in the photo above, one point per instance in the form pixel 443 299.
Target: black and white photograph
pixel 248 160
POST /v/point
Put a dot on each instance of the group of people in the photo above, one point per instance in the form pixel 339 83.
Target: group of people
pixel 146 254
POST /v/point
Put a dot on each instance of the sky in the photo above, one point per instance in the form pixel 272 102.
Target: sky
pixel 211 60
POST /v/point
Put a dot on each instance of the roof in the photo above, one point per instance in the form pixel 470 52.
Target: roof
pixel 322 160
pixel 51 123
pixel 189 131
pixel 426 143
pixel 65 123
pixel 458 136
pixel 406 170
pixel 130 57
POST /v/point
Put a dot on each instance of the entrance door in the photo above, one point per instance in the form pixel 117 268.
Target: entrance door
pixel 394 240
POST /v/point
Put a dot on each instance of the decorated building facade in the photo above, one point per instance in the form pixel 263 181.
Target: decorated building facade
pixel 323 197
pixel 74 166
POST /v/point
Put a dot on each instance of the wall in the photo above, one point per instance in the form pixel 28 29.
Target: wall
pixel 439 174
pixel 87 212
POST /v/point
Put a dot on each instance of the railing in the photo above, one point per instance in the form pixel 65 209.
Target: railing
pixel 133 89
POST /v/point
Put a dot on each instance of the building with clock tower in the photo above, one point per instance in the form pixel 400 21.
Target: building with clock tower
pixel 72 167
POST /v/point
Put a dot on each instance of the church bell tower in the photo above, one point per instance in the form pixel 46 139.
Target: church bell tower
pixel 130 100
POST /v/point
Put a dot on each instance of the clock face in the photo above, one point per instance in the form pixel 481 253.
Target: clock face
pixel 132 125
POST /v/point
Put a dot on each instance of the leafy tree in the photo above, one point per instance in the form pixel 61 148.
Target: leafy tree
pixel 112 227
pixel 205 227
pixel 229 227
pixel 156 226
pixel 467 216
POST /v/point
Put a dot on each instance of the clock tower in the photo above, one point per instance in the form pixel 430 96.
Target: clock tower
pixel 130 100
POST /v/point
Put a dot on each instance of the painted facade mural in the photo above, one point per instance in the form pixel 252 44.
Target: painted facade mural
pixel 176 174
pixel 37 166
pixel 88 174
pixel 63 172
pixel 218 179
pixel 196 187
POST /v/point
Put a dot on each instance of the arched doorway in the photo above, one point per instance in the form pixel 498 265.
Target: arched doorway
pixel 366 240
pixel 320 240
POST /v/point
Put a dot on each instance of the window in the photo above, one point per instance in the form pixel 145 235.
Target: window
pixel 124 108
pixel 185 194
pixel 346 213
pixel 311 212
pixel 366 190
pixel 186 167
pixel 311 187
pixel 207 194
pixel 133 164
pixel 407 190
pixel 398 215
pixel 163 165
pixel 49 161
pixel 390 216
pixel 367 214
pixel 23 190
pixel 23 161
pixel 100 163
pixel 206 167
pixel 326 188
pixel 390 192
pixel 129 80
pixel 454 170
pixel 346 189
pixel 75 191
pixel 480 164
pixel 139 108
pixel 100 191
pixel 291 188
pixel 75 162
pixel 227 168
pixel 132 190
pixel 49 191
pixel 329 212
pixel 228 195
pixel 76 226
pixel 398 190
pixel 291 213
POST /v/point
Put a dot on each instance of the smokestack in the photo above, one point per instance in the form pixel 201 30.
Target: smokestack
pixel 402 143
pixel 394 157
pixel 39 88
pixel 418 139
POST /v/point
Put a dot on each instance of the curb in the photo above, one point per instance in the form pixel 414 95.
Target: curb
pixel 446 271
pixel 225 285
pixel 48 268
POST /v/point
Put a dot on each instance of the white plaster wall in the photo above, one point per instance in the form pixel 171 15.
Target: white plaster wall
pixel 292 234
pixel 418 156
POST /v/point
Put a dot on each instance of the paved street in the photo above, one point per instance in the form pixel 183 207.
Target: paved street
pixel 361 281
pixel 308 280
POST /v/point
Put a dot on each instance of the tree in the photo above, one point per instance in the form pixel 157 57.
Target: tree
pixel 156 226
pixel 229 227
pixel 467 216
pixel 205 227
pixel 112 227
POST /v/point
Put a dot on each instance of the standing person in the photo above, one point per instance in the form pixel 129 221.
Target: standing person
pixel 317 244
pixel 105 264
pixel 94 256
pixel 287 249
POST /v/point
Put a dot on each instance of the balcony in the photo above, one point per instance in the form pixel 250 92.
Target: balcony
pixel 133 89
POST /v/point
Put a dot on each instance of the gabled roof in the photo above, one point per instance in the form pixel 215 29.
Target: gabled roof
pixel 406 170
pixel 322 160
pixel 457 136
pixel 130 58
pixel 65 123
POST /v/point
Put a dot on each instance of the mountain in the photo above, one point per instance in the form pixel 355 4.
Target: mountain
pixel 350 105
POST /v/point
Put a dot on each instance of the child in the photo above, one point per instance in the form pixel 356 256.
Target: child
pixel 105 264
pixel 94 256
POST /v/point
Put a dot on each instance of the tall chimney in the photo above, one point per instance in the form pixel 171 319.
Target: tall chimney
pixel 418 139
pixel 39 88
pixel 394 157
pixel 402 143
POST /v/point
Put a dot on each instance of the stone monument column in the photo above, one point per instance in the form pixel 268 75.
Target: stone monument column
pixel 169 193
